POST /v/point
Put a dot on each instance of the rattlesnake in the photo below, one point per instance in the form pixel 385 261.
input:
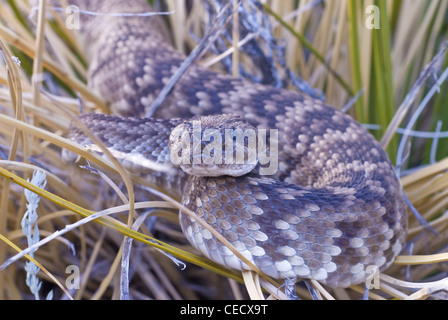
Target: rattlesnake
pixel 333 206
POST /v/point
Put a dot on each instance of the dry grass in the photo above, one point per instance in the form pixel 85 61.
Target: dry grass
pixel 32 123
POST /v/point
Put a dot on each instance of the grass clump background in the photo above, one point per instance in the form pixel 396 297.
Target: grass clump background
pixel 385 62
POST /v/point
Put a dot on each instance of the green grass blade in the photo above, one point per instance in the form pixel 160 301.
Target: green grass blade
pixel 355 59
pixel 382 104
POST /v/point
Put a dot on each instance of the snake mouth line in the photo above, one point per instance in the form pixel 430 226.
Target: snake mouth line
pixel 224 151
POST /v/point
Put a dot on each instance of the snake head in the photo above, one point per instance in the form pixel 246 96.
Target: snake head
pixel 214 146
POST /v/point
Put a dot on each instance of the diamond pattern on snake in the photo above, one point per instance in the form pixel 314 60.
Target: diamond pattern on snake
pixel 332 208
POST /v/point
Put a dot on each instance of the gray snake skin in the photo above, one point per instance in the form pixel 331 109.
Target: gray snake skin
pixel 334 206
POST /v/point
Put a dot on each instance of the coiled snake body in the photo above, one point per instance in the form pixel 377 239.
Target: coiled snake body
pixel 333 207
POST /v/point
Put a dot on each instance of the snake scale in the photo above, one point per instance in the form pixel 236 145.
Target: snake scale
pixel 333 207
